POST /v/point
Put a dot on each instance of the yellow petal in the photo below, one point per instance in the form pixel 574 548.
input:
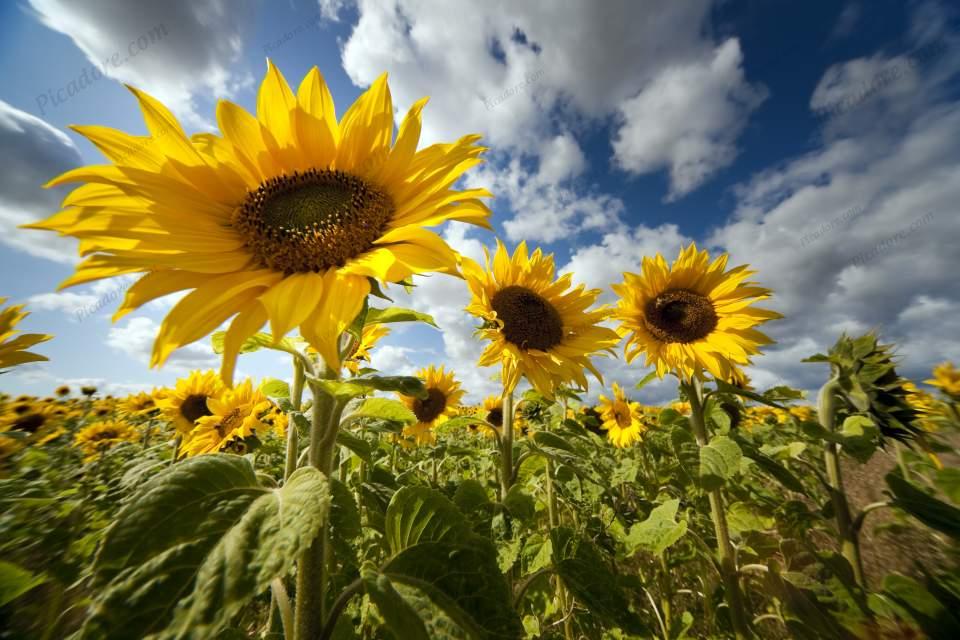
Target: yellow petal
pixel 250 319
pixel 290 301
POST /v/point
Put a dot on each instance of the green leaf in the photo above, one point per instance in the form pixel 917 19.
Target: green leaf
pixel 520 505
pixel 357 445
pixel 742 518
pixel 859 437
pixel 647 379
pixel 658 531
pixel 397 314
pixel 808 619
pixel 719 461
pixel 588 576
pixel 255 342
pixel 16 581
pixel 263 545
pixel 470 496
pixel 344 516
pixel 204 535
pixel 384 409
pixel 948 481
pixel 931 511
pixel 399 615
pixel 421 514
pixel 725 387
pixel 936 619
pixel 346 389
pixel 275 388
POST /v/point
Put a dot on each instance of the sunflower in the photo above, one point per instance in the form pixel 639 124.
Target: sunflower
pixel 62 391
pixel 187 402
pixel 493 410
pixel 234 417
pixel 371 335
pixel 925 405
pixel 9 446
pixel 285 217
pixel 946 378
pixel 100 436
pixel 138 404
pixel 88 391
pixel 622 419
pixel 443 398
pixel 13 350
pixel 693 316
pixel 537 328
pixel 29 417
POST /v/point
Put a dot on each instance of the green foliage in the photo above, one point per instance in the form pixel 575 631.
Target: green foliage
pixel 659 531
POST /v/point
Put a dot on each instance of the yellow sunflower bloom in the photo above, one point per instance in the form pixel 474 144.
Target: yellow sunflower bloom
pixel 443 398
pixel 946 378
pixel 100 436
pixel 371 335
pixel 621 419
pixel 284 217
pixel 492 410
pixel 187 402
pixel 13 350
pixel 9 446
pixel 138 404
pixel 536 328
pixel 692 316
pixel 234 416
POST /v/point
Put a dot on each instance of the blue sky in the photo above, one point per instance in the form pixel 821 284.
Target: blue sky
pixel 816 141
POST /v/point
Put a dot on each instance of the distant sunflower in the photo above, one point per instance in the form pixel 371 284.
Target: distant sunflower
pixel 443 398
pixel 96 438
pixel 9 446
pixel 493 410
pixel 187 402
pixel 138 404
pixel 371 335
pixel 29 417
pixel 946 378
pixel 693 316
pixel 62 391
pixel 284 217
pixel 622 419
pixel 536 328
pixel 13 351
pixel 234 417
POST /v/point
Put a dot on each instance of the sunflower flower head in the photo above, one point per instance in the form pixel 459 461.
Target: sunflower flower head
pixel 946 377
pixel 284 217
pixel 621 419
pixel 188 401
pixel 537 327
pixel 443 398
pixel 492 410
pixel 98 437
pixel 13 347
pixel 234 417
pixel 138 404
pixel 692 317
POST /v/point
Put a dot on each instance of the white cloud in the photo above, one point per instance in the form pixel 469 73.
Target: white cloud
pixel 688 120
pixel 135 339
pixel 32 152
pixel 174 50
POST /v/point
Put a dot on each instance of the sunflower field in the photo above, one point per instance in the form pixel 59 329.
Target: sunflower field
pixel 347 502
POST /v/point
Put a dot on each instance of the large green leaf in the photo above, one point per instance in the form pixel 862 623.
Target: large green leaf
pixel 197 542
pixel 931 511
pixel 398 314
pixel 938 618
pixel 16 581
pixel 360 385
pixel 420 514
pixel 588 576
pixel 719 461
pixel 263 545
pixel 658 531
pixel 383 409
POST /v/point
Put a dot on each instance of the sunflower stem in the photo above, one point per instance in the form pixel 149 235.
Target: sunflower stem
pixel 728 568
pixel 506 444
pixel 311 566
pixel 826 412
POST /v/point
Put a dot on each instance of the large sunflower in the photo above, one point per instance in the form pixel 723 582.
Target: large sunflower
pixel 13 351
pixel 621 419
pixel 234 416
pixel 693 316
pixel 443 398
pixel 285 217
pixel 188 401
pixel 536 327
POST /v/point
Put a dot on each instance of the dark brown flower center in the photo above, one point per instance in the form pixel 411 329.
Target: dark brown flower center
pixel 621 413
pixel 430 408
pixel 194 407
pixel 29 423
pixel 680 315
pixel 529 321
pixel 495 417
pixel 312 221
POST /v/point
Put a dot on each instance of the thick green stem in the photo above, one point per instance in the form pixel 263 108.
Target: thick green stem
pixel 311 566
pixel 553 517
pixel 728 567
pixel 827 411
pixel 506 444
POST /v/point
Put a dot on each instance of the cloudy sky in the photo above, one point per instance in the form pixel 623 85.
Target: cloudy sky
pixel 817 141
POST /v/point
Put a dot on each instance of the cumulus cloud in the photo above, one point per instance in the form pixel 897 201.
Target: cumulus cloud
pixel 32 152
pixel 174 49
pixel 135 339
pixel 688 120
